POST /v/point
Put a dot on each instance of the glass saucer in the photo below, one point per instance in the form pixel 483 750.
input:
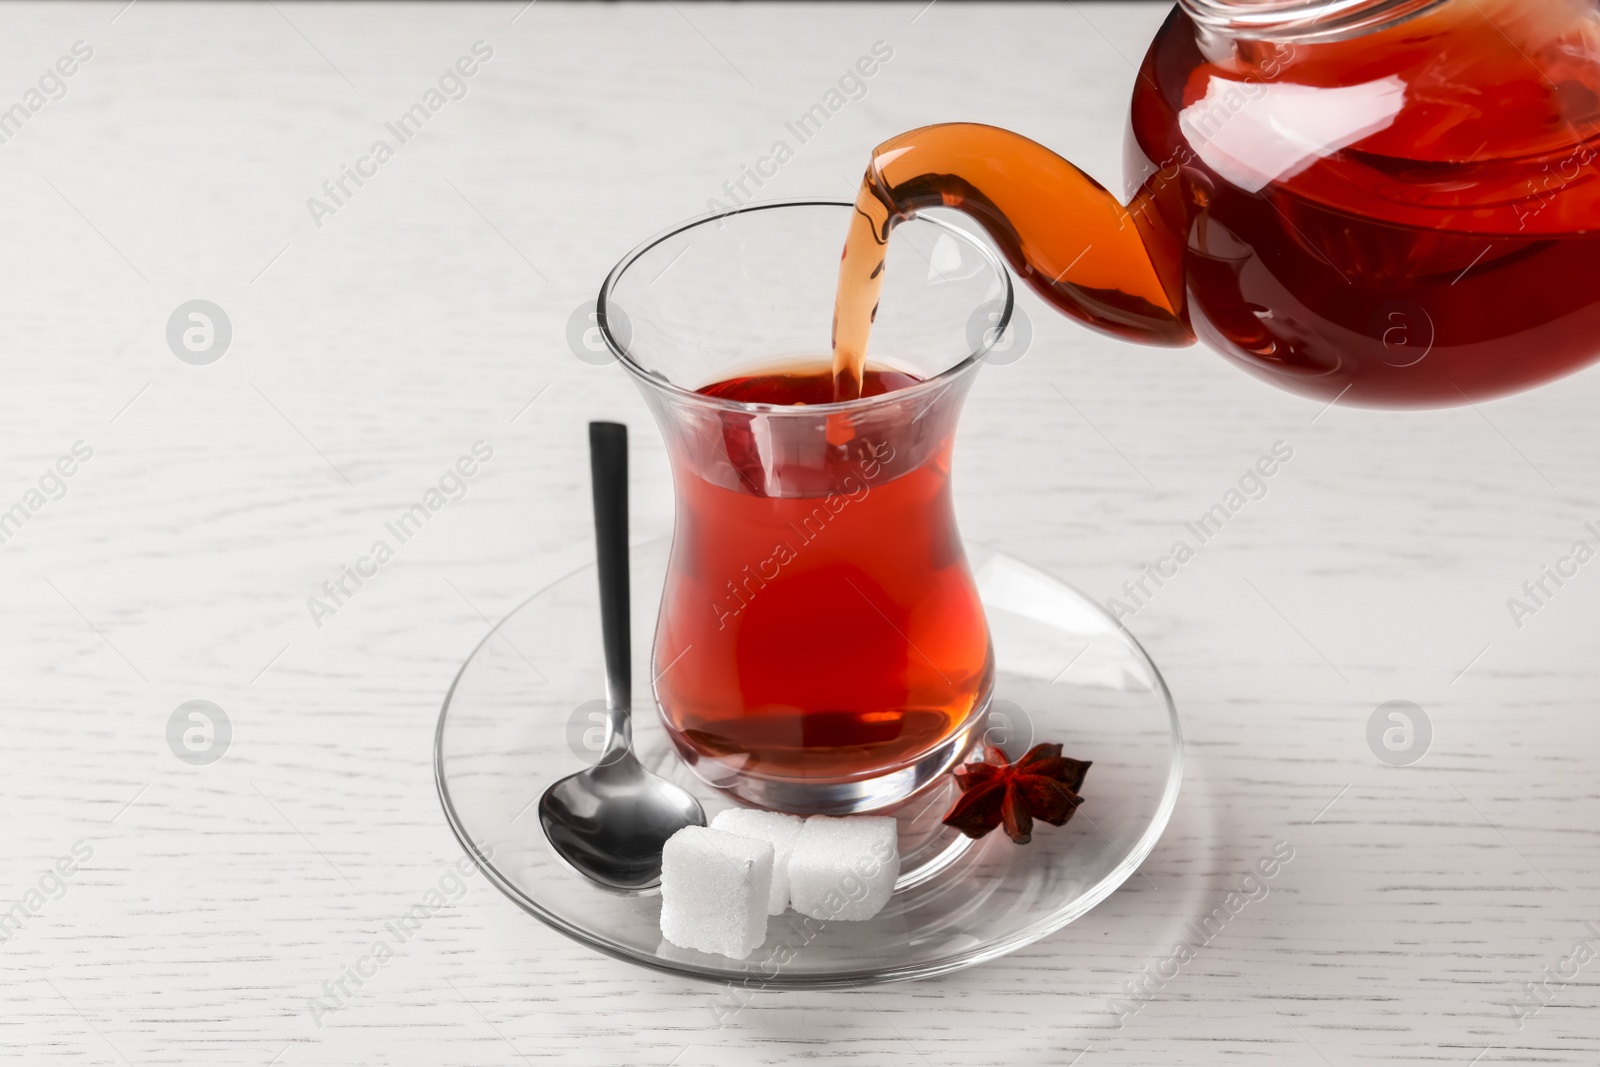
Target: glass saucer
pixel 518 717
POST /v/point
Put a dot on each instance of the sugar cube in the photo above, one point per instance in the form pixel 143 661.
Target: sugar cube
pixel 780 830
pixel 714 891
pixel 844 868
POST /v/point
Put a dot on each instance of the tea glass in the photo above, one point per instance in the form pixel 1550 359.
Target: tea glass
pixel 821 647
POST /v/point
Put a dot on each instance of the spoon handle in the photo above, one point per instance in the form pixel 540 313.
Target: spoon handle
pixel 608 466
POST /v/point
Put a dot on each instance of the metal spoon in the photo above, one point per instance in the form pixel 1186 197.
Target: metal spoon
pixel 610 822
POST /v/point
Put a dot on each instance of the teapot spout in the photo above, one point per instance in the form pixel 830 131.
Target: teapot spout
pixel 1114 268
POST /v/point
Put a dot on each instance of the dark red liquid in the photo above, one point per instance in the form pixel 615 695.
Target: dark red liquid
pixel 804 388
pixel 1449 254
pixel 833 636
pixel 1409 217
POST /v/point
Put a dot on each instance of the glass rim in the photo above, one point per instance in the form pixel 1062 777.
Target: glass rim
pixel 929 384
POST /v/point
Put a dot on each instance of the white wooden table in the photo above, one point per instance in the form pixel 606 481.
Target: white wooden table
pixel 208 905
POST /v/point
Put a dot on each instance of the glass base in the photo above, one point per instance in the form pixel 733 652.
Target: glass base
pixel 802 796
pixel 518 717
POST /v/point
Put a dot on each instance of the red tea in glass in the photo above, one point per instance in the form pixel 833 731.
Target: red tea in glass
pixel 842 631
pixel 821 645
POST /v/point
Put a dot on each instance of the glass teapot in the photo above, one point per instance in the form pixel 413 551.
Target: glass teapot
pixel 1396 202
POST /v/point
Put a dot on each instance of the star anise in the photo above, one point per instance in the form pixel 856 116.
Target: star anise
pixel 1043 785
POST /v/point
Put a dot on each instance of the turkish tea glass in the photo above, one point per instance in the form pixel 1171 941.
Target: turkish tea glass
pixel 821 647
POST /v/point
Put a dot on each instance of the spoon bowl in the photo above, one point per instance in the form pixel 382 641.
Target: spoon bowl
pixel 610 822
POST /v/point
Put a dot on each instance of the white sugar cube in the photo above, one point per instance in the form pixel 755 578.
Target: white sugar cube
pixel 780 831
pixel 844 868
pixel 714 891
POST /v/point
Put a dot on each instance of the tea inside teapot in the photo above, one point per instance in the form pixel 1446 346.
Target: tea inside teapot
pixel 1391 202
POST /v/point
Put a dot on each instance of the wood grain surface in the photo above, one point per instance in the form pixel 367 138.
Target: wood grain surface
pixel 207 905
